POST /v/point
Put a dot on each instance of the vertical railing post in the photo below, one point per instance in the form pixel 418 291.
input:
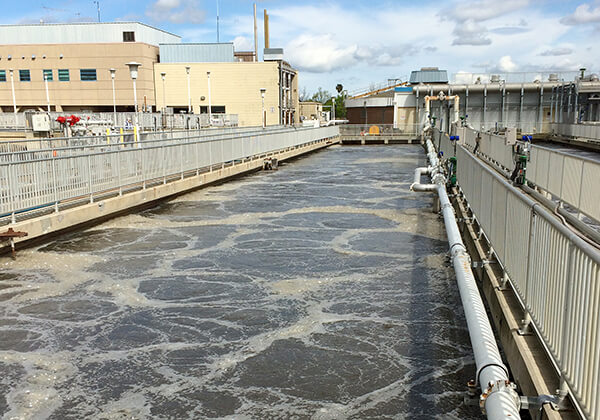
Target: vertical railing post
pixel 119 177
pixel 163 163
pixel 197 149
pixel 180 146
pixel 13 191
pixel 89 165
pixel 143 175
pixel 54 186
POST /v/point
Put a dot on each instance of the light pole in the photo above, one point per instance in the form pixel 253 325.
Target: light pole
pixel 133 71
pixel 112 77
pixel 333 108
pixel 163 76
pixel 264 116
pixel 12 85
pixel 47 94
pixel 187 70
pixel 209 103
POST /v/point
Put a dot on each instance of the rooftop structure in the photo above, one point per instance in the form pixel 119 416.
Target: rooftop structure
pixel 197 53
pixel 428 75
pixel 70 33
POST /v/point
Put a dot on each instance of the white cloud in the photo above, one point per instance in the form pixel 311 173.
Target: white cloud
pixel 470 33
pixel 481 10
pixel 242 43
pixel 320 53
pixel 584 13
pixel 506 64
pixel 553 52
pixel 176 11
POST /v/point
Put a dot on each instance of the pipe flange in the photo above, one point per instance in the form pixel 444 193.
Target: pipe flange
pixel 499 386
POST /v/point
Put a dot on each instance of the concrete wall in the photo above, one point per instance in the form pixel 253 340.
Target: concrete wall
pixel 311 110
pixel 77 94
pixel 233 85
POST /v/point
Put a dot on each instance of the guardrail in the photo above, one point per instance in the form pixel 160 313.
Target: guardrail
pixel 379 130
pixel 17 150
pixel 555 273
pixel 570 179
pixel 47 181
pixel 574 180
pixel 586 131
pixel 146 120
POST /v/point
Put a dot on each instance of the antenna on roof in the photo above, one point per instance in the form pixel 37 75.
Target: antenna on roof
pixel 217 21
pixel 97 3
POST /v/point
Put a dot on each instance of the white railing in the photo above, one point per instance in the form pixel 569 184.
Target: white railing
pixel 31 149
pixel 574 180
pixel 570 179
pixel 586 131
pixel 50 180
pixel 146 121
pixel 555 273
pixel 380 130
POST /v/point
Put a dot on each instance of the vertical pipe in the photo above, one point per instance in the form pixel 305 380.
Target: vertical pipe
pixel 521 108
pixel 255 36
pixel 560 111
pixel 484 106
pixel 266 25
pixel 466 100
pixel 541 109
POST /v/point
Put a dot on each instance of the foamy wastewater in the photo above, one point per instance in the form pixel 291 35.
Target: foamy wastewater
pixel 65 272
pixel 36 396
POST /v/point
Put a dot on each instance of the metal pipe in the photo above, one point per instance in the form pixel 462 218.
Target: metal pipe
pixel 498 400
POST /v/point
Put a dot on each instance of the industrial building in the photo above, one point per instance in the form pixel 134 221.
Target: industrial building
pixel 196 77
pixel 485 101
pixel 79 67
pixel 75 60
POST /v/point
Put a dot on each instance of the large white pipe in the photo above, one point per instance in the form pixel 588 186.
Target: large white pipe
pixel 498 399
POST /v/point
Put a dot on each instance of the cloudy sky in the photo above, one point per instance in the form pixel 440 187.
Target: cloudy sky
pixel 363 42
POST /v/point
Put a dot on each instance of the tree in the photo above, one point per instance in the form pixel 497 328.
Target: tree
pixel 304 95
pixel 321 96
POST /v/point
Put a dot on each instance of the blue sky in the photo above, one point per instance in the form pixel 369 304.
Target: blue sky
pixel 359 43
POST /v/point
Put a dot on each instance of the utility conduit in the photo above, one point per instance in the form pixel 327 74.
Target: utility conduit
pixel 498 398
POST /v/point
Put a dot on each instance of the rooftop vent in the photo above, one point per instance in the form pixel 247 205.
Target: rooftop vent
pixel 495 78
pixel 553 77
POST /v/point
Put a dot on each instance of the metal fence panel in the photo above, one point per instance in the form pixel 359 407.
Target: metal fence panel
pixel 555 273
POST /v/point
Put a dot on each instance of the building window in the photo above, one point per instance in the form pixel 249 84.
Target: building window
pixel 63 75
pixel 214 109
pixel 48 75
pixel 87 75
pixel 128 36
pixel 2 75
pixel 24 76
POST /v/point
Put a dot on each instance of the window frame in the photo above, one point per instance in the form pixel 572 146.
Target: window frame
pixel 88 76
pixel 61 75
pixel 128 34
pixel 22 73
pixel 48 73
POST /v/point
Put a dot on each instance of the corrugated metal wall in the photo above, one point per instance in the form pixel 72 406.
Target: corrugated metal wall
pixel 83 33
pixel 197 53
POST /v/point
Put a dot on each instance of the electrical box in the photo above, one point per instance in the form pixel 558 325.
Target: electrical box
pixel 40 122
pixel 510 136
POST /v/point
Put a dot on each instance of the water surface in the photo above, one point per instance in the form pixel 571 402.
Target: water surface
pixel 318 291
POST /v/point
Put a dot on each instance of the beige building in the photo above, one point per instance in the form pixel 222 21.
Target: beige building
pixel 235 88
pixel 78 73
pixel 311 110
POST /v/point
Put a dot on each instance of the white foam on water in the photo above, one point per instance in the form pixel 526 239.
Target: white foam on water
pixel 36 396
